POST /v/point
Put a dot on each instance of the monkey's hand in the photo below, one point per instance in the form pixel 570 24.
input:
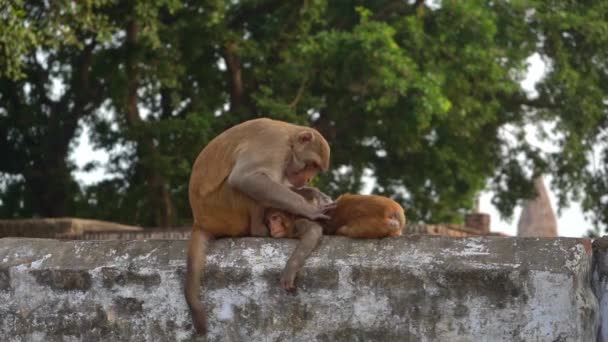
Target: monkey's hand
pixel 321 212
pixel 288 278
pixel 309 233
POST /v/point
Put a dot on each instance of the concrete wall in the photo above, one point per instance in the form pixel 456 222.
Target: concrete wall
pixel 406 289
pixel 600 283
pixel 60 228
pixel 183 233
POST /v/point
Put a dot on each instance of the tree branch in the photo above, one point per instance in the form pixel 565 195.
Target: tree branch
pixel 522 99
pixel 157 184
pixel 233 64
pixel 132 74
pixel 299 94
pixel 166 109
pixel 247 11
pixel 397 8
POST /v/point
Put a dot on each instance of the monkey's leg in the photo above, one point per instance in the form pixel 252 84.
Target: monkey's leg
pixel 363 228
pixel 197 255
pixel 309 233
pixel 343 230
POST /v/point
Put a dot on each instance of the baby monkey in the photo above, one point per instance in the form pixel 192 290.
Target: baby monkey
pixel 355 216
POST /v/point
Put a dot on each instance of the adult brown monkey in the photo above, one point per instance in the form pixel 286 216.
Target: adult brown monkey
pixel 239 173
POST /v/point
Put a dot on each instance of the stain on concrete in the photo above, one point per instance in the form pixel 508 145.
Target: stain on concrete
pixel 63 280
pixel 317 278
pixel 216 277
pixel 5 280
pixel 404 304
pixel 497 285
pixel 461 310
pixel 385 278
pixel 115 277
pixel 67 322
pixel 127 306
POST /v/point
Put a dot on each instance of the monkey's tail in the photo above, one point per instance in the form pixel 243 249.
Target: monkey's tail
pixel 197 255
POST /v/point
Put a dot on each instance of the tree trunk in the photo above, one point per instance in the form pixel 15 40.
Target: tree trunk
pixel 49 176
pixel 49 189
pixel 162 204
pixel 233 65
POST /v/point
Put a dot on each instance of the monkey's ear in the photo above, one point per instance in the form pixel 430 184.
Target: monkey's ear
pixel 305 137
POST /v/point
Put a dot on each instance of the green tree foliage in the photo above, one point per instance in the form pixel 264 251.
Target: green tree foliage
pixel 50 82
pixel 424 95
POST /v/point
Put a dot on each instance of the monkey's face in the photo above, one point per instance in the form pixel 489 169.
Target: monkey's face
pixel 303 176
pixel 310 155
pixel 279 224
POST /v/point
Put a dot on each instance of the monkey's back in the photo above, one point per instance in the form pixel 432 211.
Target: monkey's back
pixel 368 216
pixel 221 151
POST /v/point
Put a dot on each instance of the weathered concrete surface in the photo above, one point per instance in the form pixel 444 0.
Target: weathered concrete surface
pixel 451 230
pixel 174 233
pixel 59 228
pixel 84 229
pixel 406 289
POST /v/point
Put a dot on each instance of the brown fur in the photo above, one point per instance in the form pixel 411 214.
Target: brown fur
pixel 366 216
pixel 241 171
pixel 355 216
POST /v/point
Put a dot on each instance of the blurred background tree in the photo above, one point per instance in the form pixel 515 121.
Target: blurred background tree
pixel 424 96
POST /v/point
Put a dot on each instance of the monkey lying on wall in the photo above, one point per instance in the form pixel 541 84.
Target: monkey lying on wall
pixel 236 176
pixel 355 216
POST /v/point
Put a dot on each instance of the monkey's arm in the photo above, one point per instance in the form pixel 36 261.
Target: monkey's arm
pixel 258 227
pixel 313 195
pixel 309 233
pixel 258 183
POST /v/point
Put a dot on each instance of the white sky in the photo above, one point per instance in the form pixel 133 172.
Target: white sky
pixel 571 222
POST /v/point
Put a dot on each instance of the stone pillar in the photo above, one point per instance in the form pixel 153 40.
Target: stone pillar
pixel 537 217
